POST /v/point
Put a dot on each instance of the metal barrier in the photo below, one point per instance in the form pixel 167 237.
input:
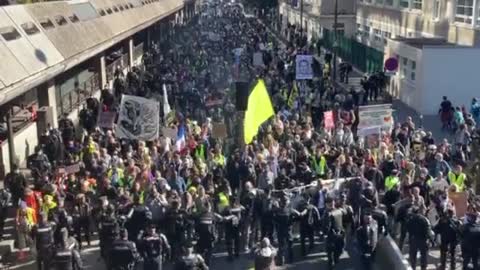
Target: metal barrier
pixel 73 99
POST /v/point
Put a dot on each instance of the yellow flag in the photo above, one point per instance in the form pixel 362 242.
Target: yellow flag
pixel 258 111
pixel 293 95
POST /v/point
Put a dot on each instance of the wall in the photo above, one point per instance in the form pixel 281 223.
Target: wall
pixel 406 90
pixel 25 142
pixel 451 72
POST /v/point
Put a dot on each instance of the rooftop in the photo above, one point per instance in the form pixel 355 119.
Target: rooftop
pixel 422 42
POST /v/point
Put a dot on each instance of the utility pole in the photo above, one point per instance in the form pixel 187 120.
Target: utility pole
pixel 301 18
pixel 335 44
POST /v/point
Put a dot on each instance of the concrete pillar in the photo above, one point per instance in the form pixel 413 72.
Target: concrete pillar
pixel 130 52
pixel 149 37
pixel 101 70
pixel 47 98
pixel 474 13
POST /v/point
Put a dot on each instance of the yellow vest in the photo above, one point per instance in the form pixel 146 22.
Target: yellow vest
pixel 457 180
pixel 391 182
pixel 200 152
pixel 219 160
pixel 319 165
pixel 222 201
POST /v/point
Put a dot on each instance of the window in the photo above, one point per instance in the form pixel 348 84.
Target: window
pixel 109 11
pixel 102 12
pixel 115 9
pixel 436 9
pixel 377 35
pixel 30 28
pixel 405 3
pixel 389 2
pixel 417 4
pixel 464 11
pixel 379 2
pixel 73 18
pixel 131 5
pixel 120 7
pixel 367 31
pixel 386 36
pixel 9 33
pixel 127 7
pixel 60 20
pixel 47 24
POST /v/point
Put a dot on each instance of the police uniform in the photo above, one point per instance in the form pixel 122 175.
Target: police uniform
pixel 123 255
pixel 448 228
pixel 206 235
pixel 333 228
pixel 232 230
pixel 419 232
pixel 153 248
pixel 107 234
pixel 470 244
pixel 67 258
pixel 43 234
pixel 191 262
pixel 283 219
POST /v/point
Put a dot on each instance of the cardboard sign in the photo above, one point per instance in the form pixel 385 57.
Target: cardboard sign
pixel 72 168
pixel 106 119
pixel 303 67
pixel 219 130
pixel 328 120
pixel 170 133
pixel 258 59
pixel 460 202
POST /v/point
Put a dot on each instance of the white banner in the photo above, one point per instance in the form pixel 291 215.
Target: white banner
pixel 304 69
pixel 375 117
pixel 139 118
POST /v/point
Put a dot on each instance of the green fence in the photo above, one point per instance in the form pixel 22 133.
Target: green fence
pixel 360 55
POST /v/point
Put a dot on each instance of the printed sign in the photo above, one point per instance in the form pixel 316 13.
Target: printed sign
pixel 106 119
pixel 375 117
pixel 258 59
pixel 329 122
pixel 72 168
pixel 138 119
pixel 219 130
pixel 170 133
pixel 304 69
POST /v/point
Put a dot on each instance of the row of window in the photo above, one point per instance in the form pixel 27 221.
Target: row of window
pixel 378 35
pixel 410 4
pixel 10 33
pixel 408 68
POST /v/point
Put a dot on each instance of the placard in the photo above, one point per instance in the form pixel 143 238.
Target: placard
pixel 303 68
pixel 72 168
pixel 328 120
pixel 376 116
pixel 258 59
pixel 106 119
pixel 460 202
pixel 219 130
pixel 138 119
pixel 170 133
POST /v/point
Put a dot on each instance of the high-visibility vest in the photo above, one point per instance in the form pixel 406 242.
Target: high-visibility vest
pixel 429 181
pixel 457 180
pixel 222 201
pixel 219 160
pixel 319 165
pixel 200 152
pixel 391 182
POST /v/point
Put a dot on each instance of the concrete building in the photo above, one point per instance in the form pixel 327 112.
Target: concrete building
pixel 57 54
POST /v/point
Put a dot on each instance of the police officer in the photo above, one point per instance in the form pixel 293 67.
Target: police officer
pixel 67 255
pixel 309 218
pixel 419 232
pixel 124 254
pixel 82 219
pixel 470 241
pixel 333 229
pixel 138 218
pixel 367 237
pixel 153 247
pixel 175 227
pixel 190 260
pixel 205 229
pixel 283 219
pixel 448 227
pixel 43 235
pixel 63 221
pixel 108 229
pixel 233 218
pixel 5 198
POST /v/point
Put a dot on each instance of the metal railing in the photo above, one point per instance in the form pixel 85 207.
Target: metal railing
pixel 73 99
pixel 138 50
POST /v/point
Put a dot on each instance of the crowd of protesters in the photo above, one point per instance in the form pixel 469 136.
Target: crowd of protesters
pixel 163 202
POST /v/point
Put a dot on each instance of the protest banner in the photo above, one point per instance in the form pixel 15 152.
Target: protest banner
pixel 106 119
pixel 138 119
pixel 258 59
pixel 170 133
pixel 72 168
pixel 219 130
pixel 329 122
pixel 303 68
pixel 460 202
pixel 373 119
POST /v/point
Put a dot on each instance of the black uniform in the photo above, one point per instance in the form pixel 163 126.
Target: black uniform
pixel 191 262
pixel 470 244
pixel 310 217
pixel 123 255
pixel 5 197
pixel 43 234
pixel 107 234
pixel 283 220
pixel 153 247
pixel 367 236
pixel 419 232
pixel 82 222
pixel 232 230
pixel 175 229
pixel 206 234
pixel 62 220
pixel 448 228
pixel 333 229
pixel 138 219
pixel 67 258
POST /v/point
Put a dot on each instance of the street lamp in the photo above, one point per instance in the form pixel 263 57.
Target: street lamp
pixel 335 42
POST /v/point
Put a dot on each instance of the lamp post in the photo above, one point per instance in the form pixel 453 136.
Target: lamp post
pixel 335 42
pixel 301 18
